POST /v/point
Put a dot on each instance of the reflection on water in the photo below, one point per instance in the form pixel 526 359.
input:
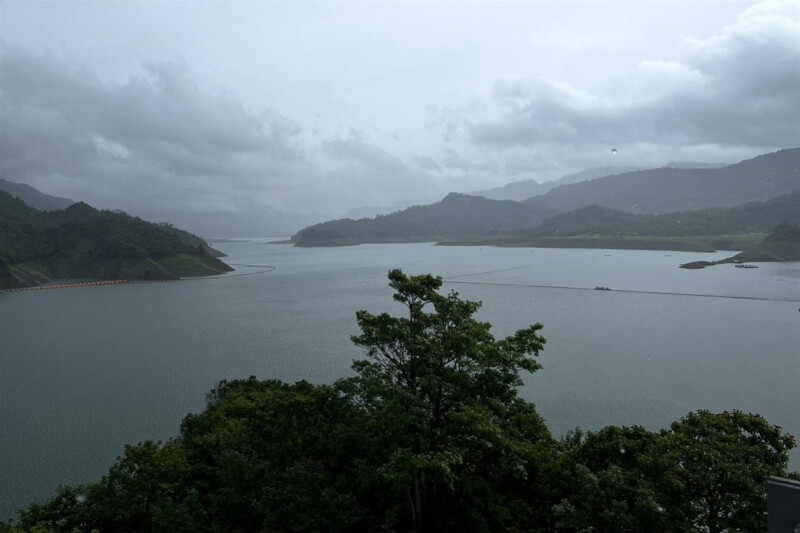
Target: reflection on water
pixel 84 371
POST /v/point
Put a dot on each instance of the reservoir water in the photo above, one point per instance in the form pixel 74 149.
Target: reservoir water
pixel 84 371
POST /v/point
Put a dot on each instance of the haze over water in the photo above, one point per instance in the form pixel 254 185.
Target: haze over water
pixel 84 371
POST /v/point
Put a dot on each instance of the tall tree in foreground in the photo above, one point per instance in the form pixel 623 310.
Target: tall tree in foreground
pixel 441 393
pixel 707 472
pixel 718 469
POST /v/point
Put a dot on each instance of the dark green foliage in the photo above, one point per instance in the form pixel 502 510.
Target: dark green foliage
pixel 80 230
pixel 708 472
pixel 441 393
pixel 20 230
pixel 143 491
pixel 429 435
pixel 263 456
pixel 718 465
pixel 81 241
pixel 617 486
pixel 275 457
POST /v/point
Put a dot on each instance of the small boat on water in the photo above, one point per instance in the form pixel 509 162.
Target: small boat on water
pixel 745 265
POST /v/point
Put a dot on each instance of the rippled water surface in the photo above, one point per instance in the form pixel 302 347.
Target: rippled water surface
pixel 84 371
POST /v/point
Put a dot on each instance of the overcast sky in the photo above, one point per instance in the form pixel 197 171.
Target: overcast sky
pixel 328 106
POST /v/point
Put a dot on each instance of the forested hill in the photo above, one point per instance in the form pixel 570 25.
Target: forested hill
pixel 666 190
pixel 456 216
pixel 83 242
pixel 782 244
pixel 754 217
pixel 33 197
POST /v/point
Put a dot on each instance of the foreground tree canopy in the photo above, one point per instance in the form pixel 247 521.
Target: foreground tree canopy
pixel 429 435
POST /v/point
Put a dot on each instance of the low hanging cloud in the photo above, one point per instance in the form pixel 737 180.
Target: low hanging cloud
pixel 356 168
pixel 157 142
pixel 154 139
pixel 739 89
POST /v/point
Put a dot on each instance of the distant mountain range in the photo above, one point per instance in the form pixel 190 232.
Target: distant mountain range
pixel 694 164
pixel 753 217
pixel 33 197
pixel 666 190
pixel 748 197
pixel 521 190
pixel 659 202
pixel 457 215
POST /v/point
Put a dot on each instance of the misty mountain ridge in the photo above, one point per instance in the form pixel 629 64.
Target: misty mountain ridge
pixel 665 190
pixel 693 164
pixel 34 197
pixel 752 217
pixel 466 218
pixel 521 190
pixel 455 216
pixel 517 190
pixel 372 211
pixel 254 221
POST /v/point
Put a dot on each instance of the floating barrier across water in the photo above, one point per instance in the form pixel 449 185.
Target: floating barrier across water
pixel 85 284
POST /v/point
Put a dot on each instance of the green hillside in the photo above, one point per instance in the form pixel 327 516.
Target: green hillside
pixel 782 244
pixel 753 217
pixel 456 216
pixel 83 242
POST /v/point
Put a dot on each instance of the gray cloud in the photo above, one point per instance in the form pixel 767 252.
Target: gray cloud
pixel 157 141
pixel 152 134
pixel 427 163
pixel 357 169
pixel 155 138
pixel 738 88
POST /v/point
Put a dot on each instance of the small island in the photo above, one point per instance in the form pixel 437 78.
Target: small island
pixel 81 242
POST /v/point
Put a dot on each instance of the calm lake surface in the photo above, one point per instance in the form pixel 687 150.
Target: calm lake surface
pixel 84 371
